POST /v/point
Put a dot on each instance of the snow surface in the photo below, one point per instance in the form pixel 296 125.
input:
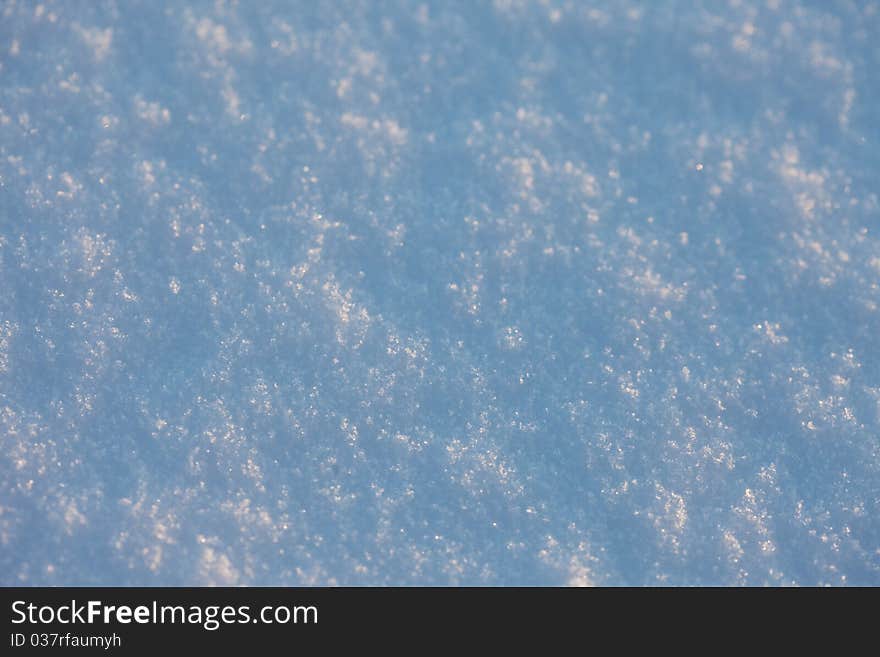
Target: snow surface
pixel 446 293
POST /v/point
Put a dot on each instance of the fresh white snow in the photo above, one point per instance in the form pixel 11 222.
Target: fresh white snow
pixel 511 292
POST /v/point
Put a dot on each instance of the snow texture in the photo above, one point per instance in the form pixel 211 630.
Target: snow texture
pixel 370 293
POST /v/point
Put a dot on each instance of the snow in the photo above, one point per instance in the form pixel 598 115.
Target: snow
pixel 499 293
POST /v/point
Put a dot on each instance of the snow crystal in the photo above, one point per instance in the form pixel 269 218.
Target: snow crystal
pixel 439 293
